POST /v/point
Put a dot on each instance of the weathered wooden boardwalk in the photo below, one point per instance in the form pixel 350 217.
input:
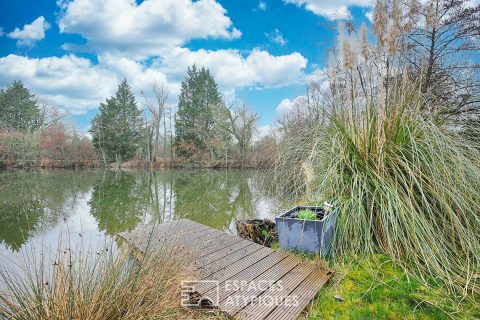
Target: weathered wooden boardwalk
pixel 239 277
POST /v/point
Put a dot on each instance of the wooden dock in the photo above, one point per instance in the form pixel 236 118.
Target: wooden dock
pixel 241 278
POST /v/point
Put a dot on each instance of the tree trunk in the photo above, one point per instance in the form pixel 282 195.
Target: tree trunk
pixel 164 134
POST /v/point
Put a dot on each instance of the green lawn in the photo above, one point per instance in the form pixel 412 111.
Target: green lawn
pixel 376 288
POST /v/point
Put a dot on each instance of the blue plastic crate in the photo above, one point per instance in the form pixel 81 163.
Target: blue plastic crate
pixel 312 236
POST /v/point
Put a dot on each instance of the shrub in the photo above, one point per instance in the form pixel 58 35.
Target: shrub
pixel 55 144
pixel 23 148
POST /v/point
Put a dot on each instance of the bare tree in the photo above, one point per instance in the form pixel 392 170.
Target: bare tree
pixel 171 122
pixel 443 44
pixel 161 96
pixel 157 111
pixel 49 115
pixel 241 124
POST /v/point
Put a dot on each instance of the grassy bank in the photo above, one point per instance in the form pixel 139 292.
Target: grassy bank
pixel 132 164
pixel 375 287
pixel 49 164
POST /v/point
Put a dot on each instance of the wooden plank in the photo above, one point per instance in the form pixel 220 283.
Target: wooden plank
pixel 221 257
pixel 175 240
pixel 249 274
pixel 197 242
pixel 229 260
pixel 191 240
pixel 201 248
pixel 269 280
pixel 305 292
pixel 225 256
pixel 181 224
pixel 235 268
pixel 191 247
pixel 290 281
pixel 219 254
pixel 174 231
pixel 157 232
pixel 138 238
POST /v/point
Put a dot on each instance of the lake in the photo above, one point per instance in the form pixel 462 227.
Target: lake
pixel 39 210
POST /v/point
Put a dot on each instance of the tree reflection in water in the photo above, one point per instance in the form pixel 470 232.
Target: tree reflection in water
pixel 34 203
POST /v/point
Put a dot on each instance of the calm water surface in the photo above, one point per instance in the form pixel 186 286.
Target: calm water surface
pixel 41 209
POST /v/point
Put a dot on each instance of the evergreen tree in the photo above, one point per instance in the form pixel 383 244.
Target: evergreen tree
pixel 195 120
pixel 19 110
pixel 116 129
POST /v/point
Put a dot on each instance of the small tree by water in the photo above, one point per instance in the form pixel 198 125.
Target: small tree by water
pixel 196 124
pixel 116 129
pixel 19 110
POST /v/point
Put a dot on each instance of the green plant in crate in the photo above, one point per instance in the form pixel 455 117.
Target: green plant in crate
pixel 307 214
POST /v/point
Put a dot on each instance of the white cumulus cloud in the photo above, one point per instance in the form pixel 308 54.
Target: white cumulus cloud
pixel 142 42
pixel 288 105
pixel 140 76
pixel 69 82
pixel 233 70
pixel 76 84
pixel 265 131
pixel 30 33
pixel 142 30
pixel 331 10
pixel 276 37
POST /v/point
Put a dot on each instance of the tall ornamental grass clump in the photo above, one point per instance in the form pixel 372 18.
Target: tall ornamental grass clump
pixel 405 184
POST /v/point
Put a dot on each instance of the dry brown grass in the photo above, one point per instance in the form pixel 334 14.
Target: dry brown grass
pixel 104 286
pixel 160 163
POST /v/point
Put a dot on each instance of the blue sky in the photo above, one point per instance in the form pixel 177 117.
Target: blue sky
pixel 72 53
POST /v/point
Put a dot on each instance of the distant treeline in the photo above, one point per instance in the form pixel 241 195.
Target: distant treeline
pixel 201 131
pixel 33 135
